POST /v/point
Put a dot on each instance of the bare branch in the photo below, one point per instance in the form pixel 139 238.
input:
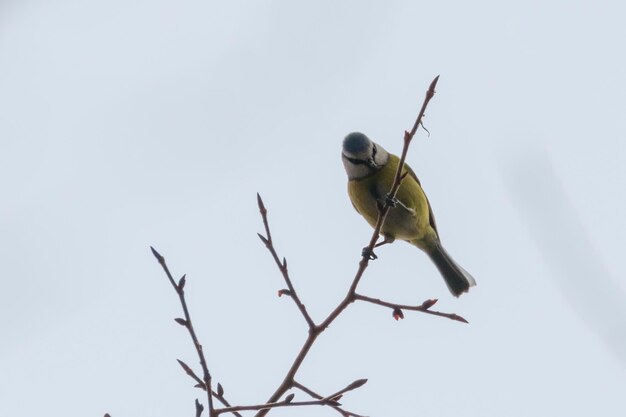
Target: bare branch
pixel 282 266
pixel 423 308
pixel 179 288
pixel 354 385
pixel 315 395
pixel 191 373
pixel 315 331
pixel 199 408
pixel 275 405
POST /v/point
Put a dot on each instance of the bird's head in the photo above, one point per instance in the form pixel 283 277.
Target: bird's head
pixel 362 157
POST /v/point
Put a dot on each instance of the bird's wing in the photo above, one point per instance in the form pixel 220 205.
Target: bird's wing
pixel 431 215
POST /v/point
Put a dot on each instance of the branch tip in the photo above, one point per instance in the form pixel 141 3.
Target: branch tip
pixel 289 398
pixel 433 84
pixel 397 314
pixel 220 390
pixel 259 201
pixel 157 255
pixel 357 384
pixel 199 408
pixel 185 367
pixel 458 318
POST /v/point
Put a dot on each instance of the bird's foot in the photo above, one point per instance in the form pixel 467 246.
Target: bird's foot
pixel 368 253
pixel 394 202
pixel 387 240
pixel 391 201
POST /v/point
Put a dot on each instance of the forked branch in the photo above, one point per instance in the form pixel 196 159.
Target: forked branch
pixel 282 266
pixel 422 308
pixel 205 382
pixel 315 330
pixel 342 411
pixel 269 406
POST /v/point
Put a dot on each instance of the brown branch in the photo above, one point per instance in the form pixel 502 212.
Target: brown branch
pixel 200 384
pixel 192 374
pixel 186 322
pixel 315 331
pixel 274 405
pixel 199 408
pixel 423 308
pixel 315 395
pixel 282 266
pixel 354 385
pixel 220 396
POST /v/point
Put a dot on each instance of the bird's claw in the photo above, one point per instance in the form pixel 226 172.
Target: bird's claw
pixel 369 254
pixel 391 201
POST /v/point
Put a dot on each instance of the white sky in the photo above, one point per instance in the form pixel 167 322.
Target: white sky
pixel 129 124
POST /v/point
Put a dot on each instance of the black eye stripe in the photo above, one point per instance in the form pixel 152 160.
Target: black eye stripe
pixel 354 160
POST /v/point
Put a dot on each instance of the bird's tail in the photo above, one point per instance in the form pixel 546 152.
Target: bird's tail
pixel 457 278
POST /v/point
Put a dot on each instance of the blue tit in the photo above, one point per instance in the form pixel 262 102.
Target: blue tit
pixel 371 171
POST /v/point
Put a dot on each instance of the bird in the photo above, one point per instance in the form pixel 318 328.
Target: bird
pixel 371 171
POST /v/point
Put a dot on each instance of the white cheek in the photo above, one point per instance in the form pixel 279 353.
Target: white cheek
pixel 381 157
pixel 355 171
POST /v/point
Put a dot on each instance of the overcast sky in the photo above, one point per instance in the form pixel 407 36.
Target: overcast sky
pixel 129 124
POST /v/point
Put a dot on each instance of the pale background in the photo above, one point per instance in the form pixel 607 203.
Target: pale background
pixel 128 124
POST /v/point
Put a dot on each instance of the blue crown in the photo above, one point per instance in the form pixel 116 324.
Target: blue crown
pixel 356 143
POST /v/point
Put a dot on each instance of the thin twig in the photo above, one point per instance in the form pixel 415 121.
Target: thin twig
pixel 200 384
pixel 273 405
pixel 423 308
pixel 199 408
pixel 179 288
pixel 282 266
pixel 316 330
pixel 354 385
pixel 315 395
pixel 220 396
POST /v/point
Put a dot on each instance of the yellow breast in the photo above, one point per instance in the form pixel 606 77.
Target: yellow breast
pixel 409 220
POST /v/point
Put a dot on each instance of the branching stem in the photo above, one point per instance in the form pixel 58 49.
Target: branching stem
pixel 180 290
pixel 316 330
